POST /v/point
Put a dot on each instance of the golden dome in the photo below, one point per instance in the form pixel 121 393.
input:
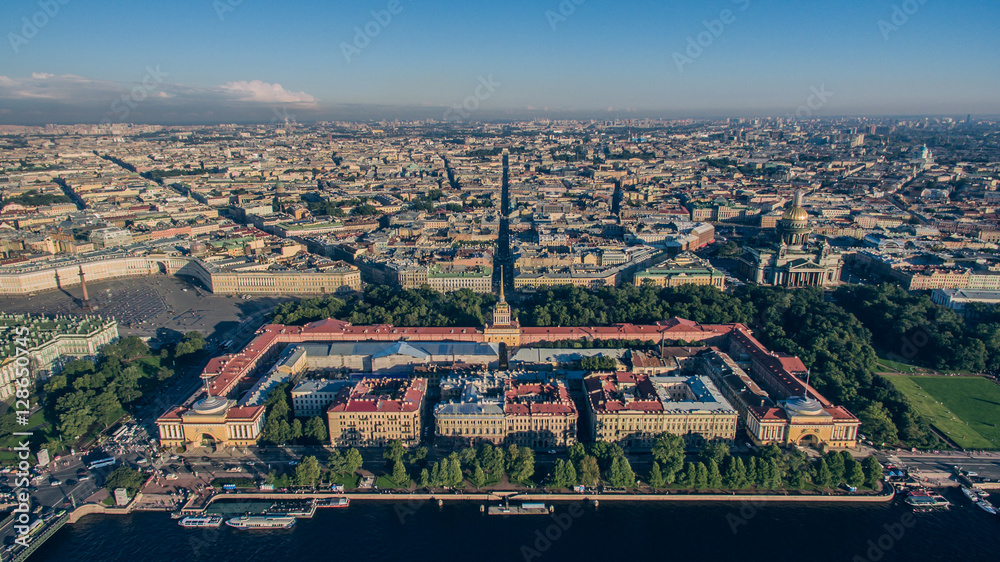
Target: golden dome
pixel 795 214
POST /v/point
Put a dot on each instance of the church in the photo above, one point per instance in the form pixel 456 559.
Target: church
pixel 792 261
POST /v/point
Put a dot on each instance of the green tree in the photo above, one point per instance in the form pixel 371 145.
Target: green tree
pixel 337 464
pixel 855 474
pixel 734 476
pixel 620 473
pixel 668 450
pixel 106 407
pixel 715 451
pixel 590 473
pixel 872 471
pixel 455 477
pixel 296 429
pixel 576 452
pixel 655 476
pixel 353 460
pixel 478 478
pixel 690 475
pixel 315 430
pixel 752 468
pixel 124 477
pixel 524 466
pixel 399 475
pixel 284 433
pixel 559 473
pixel 701 476
pixel 823 476
pixel 393 451
pixel 425 478
pixel 777 474
pixel 714 476
pixel 877 422
pixel 279 410
pixel 571 478
pixel 417 455
pixel 307 472
pixel 835 462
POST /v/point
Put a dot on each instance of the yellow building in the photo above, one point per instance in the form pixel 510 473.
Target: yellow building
pixel 685 269
pixel 211 421
pixel 632 410
pixel 491 408
pixel 376 411
pixel 504 328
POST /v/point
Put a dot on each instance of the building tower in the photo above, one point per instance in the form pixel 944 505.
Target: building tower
pixel 793 228
pixel 501 312
pixel 83 286
pixel 504 329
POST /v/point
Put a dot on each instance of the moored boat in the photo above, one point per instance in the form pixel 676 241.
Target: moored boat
pixel 200 521
pixel 333 502
pixel 987 507
pixel 927 501
pixel 261 522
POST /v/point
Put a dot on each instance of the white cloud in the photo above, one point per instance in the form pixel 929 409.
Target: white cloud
pixel 41 75
pixel 262 92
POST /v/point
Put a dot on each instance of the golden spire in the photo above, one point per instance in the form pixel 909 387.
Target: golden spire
pixel 502 299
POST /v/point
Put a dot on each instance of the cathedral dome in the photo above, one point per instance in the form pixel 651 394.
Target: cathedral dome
pixel 795 214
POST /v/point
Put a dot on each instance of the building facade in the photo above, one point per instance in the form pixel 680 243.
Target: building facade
pixel 493 408
pixel 792 261
pixel 48 343
pixel 212 421
pixel 632 410
pixel 685 269
pixel 374 412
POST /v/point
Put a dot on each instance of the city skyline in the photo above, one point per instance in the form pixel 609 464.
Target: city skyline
pixel 240 61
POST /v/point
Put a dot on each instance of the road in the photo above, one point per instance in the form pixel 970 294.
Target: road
pixel 987 464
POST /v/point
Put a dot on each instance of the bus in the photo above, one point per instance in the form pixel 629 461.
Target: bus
pixel 102 463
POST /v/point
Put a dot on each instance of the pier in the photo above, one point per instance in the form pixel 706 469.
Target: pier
pixel 505 496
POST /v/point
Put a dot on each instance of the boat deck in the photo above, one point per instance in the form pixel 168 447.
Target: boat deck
pixel 516 510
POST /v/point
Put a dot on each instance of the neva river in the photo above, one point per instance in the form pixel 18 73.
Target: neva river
pixel 400 532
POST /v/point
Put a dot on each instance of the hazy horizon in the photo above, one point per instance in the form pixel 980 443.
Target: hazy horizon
pixel 244 61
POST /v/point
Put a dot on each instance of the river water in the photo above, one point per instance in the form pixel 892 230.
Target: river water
pixel 397 532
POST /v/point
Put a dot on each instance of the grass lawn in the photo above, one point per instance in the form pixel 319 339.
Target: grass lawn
pixel 966 409
pixel 889 365
pixel 349 481
pixel 384 482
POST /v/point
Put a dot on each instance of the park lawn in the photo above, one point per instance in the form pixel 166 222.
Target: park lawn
pixel 964 408
pixel 348 481
pixel 37 425
pixel 890 365
pixel 385 483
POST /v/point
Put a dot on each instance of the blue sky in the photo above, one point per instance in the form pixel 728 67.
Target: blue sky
pixel 231 59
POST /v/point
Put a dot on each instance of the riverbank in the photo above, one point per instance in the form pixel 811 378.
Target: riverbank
pixel 491 497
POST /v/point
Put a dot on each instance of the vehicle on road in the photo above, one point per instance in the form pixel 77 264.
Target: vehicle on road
pixel 102 463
